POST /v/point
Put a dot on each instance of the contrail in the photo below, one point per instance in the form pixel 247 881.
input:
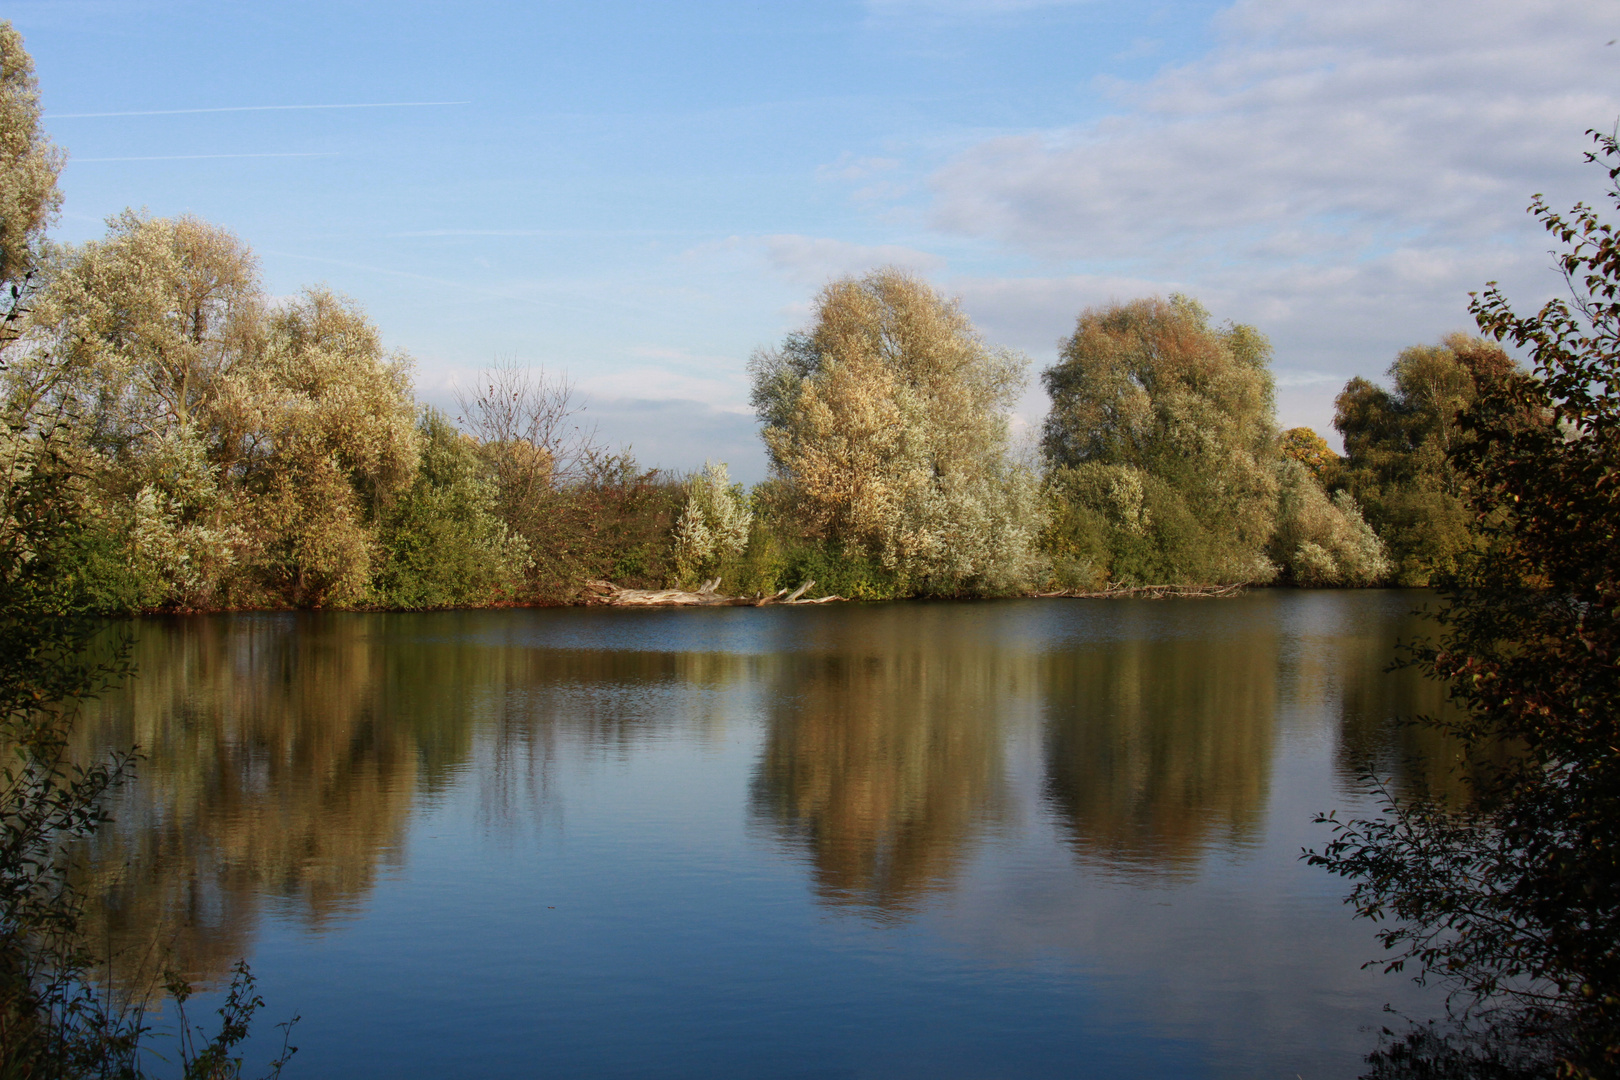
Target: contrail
pixel 253 108
pixel 198 157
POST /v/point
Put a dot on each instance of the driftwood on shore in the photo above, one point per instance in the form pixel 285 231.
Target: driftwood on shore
pixel 1152 592
pixel 708 595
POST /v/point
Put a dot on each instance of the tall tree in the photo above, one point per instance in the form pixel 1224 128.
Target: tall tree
pixel 29 166
pixel 250 451
pixel 336 424
pixel 886 420
pixel 147 339
pixel 1161 440
pixel 152 322
pixel 1398 444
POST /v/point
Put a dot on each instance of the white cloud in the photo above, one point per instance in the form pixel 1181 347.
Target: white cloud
pixel 814 260
pixel 720 386
pixel 1295 377
pixel 1312 133
pixel 1032 314
pixel 1341 175
pixel 680 434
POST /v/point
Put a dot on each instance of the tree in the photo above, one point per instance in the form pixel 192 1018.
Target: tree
pixel 1397 447
pixel 29 165
pixel 1161 437
pixel 248 451
pixel 147 340
pixel 161 313
pixel 334 422
pixel 444 543
pixel 584 510
pixel 1310 450
pixel 714 523
pixel 886 422
pixel 526 425
pixel 1514 904
pixel 1322 540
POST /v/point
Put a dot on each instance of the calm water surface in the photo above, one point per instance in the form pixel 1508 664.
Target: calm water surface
pixel 1009 839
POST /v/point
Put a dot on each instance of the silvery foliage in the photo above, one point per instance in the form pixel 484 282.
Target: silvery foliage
pixel 713 524
pixel 1126 494
pixel 1154 386
pixel 887 420
pixel 1321 541
pixel 179 543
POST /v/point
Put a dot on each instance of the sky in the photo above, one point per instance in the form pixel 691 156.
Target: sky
pixel 636 196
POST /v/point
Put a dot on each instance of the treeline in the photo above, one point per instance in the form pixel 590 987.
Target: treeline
pixel 893 470
pixel 217 449
pixel 207 446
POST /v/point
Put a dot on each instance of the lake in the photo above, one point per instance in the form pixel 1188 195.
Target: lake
pixel 1030 838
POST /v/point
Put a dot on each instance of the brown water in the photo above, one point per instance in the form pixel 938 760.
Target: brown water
pixel 1022 839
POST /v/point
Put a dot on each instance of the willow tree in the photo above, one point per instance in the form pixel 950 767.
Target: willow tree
pixel 247 451
pixel 333 416
pixel 1398 444
pixel 886 423
pixel 29 166
pixel 1161 442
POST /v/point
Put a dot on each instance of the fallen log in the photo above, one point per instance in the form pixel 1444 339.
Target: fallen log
pixel 1152 592
pixel 707 595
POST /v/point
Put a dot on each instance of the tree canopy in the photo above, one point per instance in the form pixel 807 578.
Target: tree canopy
pixel 1398 444
pixel 29 163
pixel 886 420
pixel 1164 465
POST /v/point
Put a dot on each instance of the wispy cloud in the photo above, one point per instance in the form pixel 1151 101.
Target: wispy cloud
pixel 814 260
pixel 421 233
pixel 255 108
pixel 850 167
pixel 1315 133
pixel 431 233
pixel 203 157
pixel 1339 175
pixel 722 390
pixel 1307 378
pixel 578 301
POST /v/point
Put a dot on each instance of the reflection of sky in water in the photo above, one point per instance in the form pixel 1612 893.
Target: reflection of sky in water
pixel 1013 838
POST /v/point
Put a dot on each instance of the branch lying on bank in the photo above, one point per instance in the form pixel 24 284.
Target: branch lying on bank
pixel 605 592
pixel 1152 592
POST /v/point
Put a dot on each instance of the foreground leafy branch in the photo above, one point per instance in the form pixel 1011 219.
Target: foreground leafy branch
pixel 1514 904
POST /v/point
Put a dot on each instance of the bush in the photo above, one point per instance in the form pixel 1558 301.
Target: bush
pixel 714 525
pixel 1322 541
pixel 1513 903
pixel 1121 524
pixel 444 543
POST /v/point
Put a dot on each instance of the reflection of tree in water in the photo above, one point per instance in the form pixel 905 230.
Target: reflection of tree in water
pixel 1375 703
pixel 284 754
pixel 1158 749
pixel 271 767
pixel 884 762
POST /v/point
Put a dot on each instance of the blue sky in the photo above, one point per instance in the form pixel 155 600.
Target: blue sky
pixel 638 195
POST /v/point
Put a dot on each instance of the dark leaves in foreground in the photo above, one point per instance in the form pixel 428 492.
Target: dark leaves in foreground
pixel 1514 904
